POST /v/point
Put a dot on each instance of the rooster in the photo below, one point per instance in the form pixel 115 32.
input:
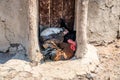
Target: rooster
pixel 66 50
pixel 61 51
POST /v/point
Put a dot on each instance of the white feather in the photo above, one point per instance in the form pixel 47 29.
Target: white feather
pixel 50 31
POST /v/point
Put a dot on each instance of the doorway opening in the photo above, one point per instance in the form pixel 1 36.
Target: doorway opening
pixel 57 43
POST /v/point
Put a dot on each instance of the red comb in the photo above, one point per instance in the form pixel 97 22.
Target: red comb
pixel 73 47
pixel 71 42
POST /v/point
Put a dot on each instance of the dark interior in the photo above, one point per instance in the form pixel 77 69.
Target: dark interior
pixel 52 10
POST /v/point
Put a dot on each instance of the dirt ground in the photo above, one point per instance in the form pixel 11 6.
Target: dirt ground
pixel 108 69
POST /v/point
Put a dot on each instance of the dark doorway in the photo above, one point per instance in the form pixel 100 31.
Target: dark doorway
pixel 52 10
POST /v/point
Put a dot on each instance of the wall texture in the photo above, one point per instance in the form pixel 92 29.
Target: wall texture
pixel 13 23
pixel 103 22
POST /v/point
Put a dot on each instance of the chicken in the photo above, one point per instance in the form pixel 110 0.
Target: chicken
pixel 53 47
pixel 53 33
pixel 62 51
pixel 71 33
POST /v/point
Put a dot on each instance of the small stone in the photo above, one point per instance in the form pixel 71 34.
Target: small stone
pixel 12 50
pixel 20 47
pixel 89 76
pixel 117 46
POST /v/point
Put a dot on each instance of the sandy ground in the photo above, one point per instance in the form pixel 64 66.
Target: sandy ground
pixel 108 69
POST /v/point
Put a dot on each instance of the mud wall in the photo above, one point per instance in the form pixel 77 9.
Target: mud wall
pixel 103 22
pixel 13 23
